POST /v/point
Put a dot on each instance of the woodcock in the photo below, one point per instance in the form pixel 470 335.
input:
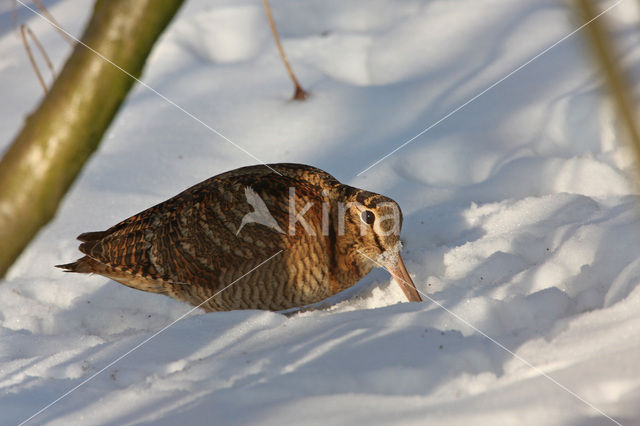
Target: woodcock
pixel 208 245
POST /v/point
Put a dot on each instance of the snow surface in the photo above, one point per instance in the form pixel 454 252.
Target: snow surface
pixel 520 219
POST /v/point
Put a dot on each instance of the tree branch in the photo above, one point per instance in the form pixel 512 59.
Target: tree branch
pixel 66 128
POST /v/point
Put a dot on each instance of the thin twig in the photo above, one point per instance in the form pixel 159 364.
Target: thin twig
pixel 616 79
pixel 33 62
pixel 42 51
pixel 57 26
pixel 300 94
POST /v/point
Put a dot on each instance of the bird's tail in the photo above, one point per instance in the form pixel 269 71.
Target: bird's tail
pixel 84 265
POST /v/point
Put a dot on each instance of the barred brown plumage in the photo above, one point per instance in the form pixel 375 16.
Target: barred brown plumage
pixel 196 243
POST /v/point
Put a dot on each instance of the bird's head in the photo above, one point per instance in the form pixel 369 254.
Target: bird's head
pixel 372 224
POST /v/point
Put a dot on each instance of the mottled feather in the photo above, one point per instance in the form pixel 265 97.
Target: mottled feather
pixel 187 247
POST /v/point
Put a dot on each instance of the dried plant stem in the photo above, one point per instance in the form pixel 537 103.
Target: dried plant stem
pixel 619 88
pixel 50 17
pixel 42 52
pixel 33 62
pixel 300 94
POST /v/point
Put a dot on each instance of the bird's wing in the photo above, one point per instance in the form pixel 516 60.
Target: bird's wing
pixel 191 238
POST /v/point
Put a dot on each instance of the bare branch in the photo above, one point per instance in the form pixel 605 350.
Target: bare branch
pixel 300 94
pixel 25 42
pixel 50 17
pixel 62 133
pixel 42 52
pixel 604 52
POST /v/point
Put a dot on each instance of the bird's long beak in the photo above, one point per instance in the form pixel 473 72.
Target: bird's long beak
pixel 400 274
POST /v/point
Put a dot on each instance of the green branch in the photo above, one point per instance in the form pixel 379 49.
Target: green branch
pixel 59 137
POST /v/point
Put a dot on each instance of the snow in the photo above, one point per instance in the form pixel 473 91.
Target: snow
pixel 521 223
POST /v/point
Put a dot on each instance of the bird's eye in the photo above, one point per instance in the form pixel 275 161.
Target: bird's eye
pixel 368 217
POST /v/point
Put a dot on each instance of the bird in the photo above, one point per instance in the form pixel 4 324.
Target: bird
pixel 268 236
